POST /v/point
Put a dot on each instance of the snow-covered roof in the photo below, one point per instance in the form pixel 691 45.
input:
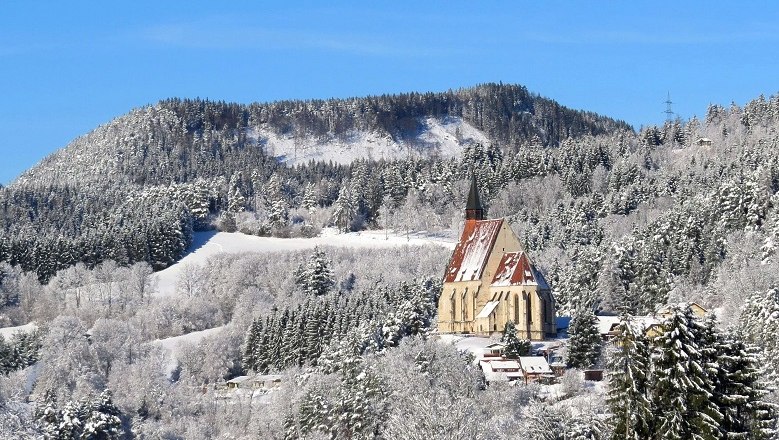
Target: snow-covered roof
pixel 471 253
pixel 516 269
pixel 239 379
pixel 498 376
pixel 268 377
pixel 504 365
pixel 534 364
pixel 639 323
pixel 606 323
pixel 487 310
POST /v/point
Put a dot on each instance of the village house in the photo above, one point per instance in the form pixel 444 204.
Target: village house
pixel 257 382
pixel 526 368
pixel 490 280
pixel 650 325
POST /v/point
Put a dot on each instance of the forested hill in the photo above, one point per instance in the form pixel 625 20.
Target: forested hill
pixel 180 140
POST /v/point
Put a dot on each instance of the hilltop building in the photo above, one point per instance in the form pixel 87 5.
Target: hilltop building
pixel 490 280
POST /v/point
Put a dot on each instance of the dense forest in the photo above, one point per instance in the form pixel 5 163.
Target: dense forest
pixel 619 221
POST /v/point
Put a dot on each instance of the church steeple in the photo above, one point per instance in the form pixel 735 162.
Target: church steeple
pixel 473 209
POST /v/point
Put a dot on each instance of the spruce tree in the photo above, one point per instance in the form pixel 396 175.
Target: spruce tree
pixel 682 386
pixel 515 347
pixel 628 368
pixel 584 343
pixel 316 278
pixel 739 391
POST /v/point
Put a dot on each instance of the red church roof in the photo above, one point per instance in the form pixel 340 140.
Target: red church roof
pixel 516 269
pixel 471 253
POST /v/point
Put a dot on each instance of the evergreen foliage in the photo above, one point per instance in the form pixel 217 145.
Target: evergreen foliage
pixel 628 366
pixel 585 344
pixel 380 319
pixel 515 347
pixel 20 351
pixel 682 359
pixel 94 418
pixel 315 278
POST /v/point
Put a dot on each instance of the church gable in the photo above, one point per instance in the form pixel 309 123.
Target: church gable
pixel 473 250
pixel 516 269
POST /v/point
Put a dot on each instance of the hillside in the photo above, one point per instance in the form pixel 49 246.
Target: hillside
pixel 121 274
pixel 181 140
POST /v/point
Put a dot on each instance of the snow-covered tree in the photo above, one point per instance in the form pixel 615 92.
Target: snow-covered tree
pixel 584 344
pixel 316 278
pixel 628 372
pixel 515 347
pixel 683 385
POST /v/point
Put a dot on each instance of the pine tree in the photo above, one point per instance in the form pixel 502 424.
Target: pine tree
pixel 250 345
pixel 739 391
pixel 515 347
pixel 584 343
pixel 309 201
pixel 345 208
pixel 628 383
pixel 103 420
pixel 682 386
pixel 316 278
pixel 236 201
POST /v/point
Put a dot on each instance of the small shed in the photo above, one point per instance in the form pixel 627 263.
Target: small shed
pixel 238 382
pixel 703 142
pixel 494 350
pixel 594 375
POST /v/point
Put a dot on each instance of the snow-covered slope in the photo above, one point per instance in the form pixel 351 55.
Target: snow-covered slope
pixel 207 244
pixel 8 332
pixel 172 346
pixel 437 137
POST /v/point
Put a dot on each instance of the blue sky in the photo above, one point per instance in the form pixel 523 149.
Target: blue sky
pixel 67 67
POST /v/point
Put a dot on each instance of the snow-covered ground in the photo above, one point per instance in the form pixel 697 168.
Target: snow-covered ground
pixel 437 137
pixel 172 346
pixel 8 332
pixel 207 244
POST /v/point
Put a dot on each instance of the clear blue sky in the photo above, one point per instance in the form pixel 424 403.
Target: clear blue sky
pixel 67 67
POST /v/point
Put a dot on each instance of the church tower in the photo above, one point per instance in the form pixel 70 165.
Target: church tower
pixel 474 209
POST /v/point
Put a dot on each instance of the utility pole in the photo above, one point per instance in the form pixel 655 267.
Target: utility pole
pixel 669 113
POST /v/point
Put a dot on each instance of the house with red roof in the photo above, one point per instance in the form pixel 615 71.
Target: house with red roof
pixel 490 280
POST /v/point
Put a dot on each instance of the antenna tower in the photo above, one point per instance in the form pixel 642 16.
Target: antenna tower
pixel 669 113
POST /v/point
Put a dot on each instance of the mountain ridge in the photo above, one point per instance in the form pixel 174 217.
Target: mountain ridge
pixel 174 139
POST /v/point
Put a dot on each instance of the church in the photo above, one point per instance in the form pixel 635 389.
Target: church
pixel 490 280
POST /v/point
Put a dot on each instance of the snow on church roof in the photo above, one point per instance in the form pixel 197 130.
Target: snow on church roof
pixel 516 269
pixel 487 310
pixel 472 250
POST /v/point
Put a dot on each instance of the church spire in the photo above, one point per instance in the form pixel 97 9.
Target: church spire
pixel 473 209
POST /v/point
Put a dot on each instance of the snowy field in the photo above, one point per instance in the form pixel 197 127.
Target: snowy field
pixel 437 137
pixel 8 332
pixel 207 244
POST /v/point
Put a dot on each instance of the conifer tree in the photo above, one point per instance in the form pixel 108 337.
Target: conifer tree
pixel 309 201
pixel 739 391
pixel 628 367
pixel 316 278
pixel 584 343
pixel 682 386
pixel 515 347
